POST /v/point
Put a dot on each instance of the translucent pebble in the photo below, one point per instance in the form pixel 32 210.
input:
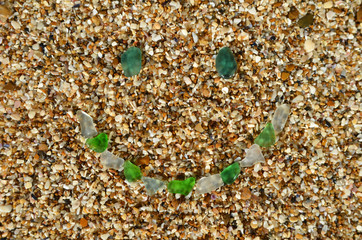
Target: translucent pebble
pixel 253 156
pixel 152 185
pixel 208 184
pixel 280 117
pixel 6 208
pixel 309 45
pixel 267 137
pixel 109 160
pixel 86 124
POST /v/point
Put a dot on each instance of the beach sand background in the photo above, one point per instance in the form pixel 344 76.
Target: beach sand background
pixel 178 118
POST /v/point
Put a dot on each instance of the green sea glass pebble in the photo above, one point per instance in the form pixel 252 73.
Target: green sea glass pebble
pixel 225 63
pixel 131 61
pixel 132 172
pixel 267 137
pixel 230 173
pixel 182 187
pixel 99 143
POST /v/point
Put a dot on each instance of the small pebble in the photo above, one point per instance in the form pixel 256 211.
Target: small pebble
pixel 28 185
pixel 290 67
pixel 87 126
pixel 328 4
pixel 299 236
pixel 195 37
pixel 31 114
pixel 187 80
pixel 199 128
pixel 298 99
pixel 208 184
pixel 5 208
pixel 285 75
pixel 96 20
pixel 245 193
pixel 184 32
pixel 131 61
pixel 254 224
pixel 58 167
pixel 156 26
pixel 43 147
pixel 182 187
pixel 225 90
pixel 83 222
pixel 330 15
pixel 293 13
pixel 15 25
pixel 17 104
pixel 306 21
pixel 152 185
pixel 309 45
pixel 225 63
pixel 253 155
pixel 109 160
pixel 143 160
pixel 280 117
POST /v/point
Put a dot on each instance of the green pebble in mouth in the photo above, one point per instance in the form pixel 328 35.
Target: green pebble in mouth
pixel 99 143
pixel 230 173
pixel 182 187
pixel 132 172
pixel 267 137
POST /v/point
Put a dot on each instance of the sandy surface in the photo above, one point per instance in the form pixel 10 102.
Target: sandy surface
pixel 178 118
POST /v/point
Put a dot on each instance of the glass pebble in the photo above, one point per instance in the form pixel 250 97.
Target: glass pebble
pixel 132 172
pixel 87 127
pixel 109 160
pixel 267 137
pixel 208 184
pixel 230 173
pixel 99 143
pixel 131 61
pixel 253 155
pixel 280 117
pixel 152 185
pixel 225 63
pixel 182 187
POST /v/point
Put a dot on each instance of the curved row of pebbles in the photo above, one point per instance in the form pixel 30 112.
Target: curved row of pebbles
pixel 99 143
